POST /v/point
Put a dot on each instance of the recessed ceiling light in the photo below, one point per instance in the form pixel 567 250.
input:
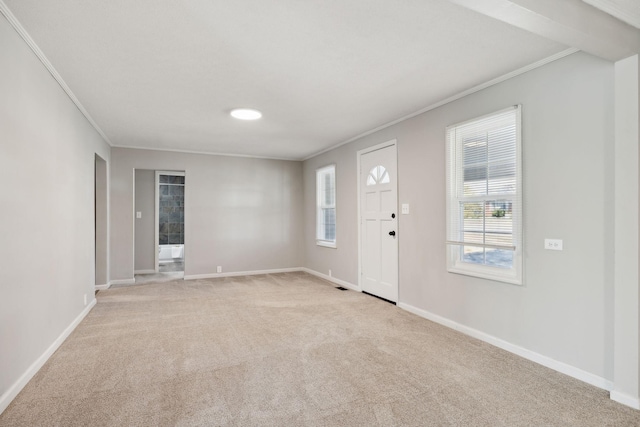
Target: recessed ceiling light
pixel 246 114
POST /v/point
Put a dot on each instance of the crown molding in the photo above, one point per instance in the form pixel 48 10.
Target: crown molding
pixel 207 153
pixel 624 14
pixel 6 12
pixel 462 94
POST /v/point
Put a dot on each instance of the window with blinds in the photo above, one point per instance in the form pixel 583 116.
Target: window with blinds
pixel 484 197
pixel 326 206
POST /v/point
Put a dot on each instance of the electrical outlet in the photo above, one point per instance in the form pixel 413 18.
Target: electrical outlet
pixel 330 273
pixel 219 269
pixel 138 215
pixel 405 209
pixel 85 299
pixel 553 244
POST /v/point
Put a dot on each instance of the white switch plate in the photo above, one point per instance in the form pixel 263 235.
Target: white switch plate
pixel 405 209
pixel 553 244
pixel 219 269
pixel 138 215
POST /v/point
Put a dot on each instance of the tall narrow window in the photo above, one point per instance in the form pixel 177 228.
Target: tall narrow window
pixel 484 197
pixel 326 206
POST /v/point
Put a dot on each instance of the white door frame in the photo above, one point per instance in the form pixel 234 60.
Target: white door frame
pixel 359 154
pixel 157 213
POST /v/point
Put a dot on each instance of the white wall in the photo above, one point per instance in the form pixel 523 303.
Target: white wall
pixel 627 297
pixel 243 214
pixel 564 310
pixel 47 150
pixel 145 247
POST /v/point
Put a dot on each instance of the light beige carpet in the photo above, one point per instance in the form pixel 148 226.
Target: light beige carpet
pixel 289 350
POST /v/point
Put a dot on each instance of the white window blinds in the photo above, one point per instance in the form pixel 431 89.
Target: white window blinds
pixel 484 197
pixel 326 206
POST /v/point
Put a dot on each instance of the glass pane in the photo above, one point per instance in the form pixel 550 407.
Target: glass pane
pixel 499 223
pixel 329 220
pixel 473 254
pixel 473 222
pixel 378 175
pixel 164 179
pixel 328 189
pixel 500 258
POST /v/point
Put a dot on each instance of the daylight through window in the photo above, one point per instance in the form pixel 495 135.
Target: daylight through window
pixel 326 206
pixel 484 197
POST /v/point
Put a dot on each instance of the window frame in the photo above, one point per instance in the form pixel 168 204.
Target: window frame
pixel 320 206
pixel 455 182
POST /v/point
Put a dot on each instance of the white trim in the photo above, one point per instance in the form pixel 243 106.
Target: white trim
pixel 561 367
pixel 150 271
pixel 241 273
pixel 323 170
pixel 623 14
pixel 208 153
pixel 625 399
pixel 326 244
pixel 359 154
pixel 462 94
pixel 13 391
pixel 122 282
pixel 332 279
pixel 4 10
pixel 102 287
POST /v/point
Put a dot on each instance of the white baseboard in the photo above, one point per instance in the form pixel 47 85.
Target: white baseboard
pixel 102 287
pixel 131 281
pixel 561 367
pixel 240 273
pixel 13 391
pixel 625 399
pixel 144 271
pixel 332 279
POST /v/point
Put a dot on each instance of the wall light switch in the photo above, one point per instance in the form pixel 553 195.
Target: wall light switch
pixel 553 244
pixel 138 215
pixel 219 269
pixel 405 209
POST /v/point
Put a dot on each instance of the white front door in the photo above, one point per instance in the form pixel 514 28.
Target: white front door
pixel 378 192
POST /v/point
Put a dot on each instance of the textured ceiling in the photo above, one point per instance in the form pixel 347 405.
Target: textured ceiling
pixel 164 74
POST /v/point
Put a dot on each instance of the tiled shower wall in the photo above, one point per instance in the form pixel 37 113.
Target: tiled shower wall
pixel 171 210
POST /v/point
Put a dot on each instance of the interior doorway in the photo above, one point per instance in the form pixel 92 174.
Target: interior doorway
pixel 169 220
pixel 378 212
pixel 100 222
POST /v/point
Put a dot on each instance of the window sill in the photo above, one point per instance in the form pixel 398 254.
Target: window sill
pixel 486 273
pixel 326 244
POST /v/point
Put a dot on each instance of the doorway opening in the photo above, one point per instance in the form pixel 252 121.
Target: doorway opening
pixel 169 230
pixel 100 223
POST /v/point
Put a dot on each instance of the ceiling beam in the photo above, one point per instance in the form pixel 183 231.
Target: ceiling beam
pixel 570 22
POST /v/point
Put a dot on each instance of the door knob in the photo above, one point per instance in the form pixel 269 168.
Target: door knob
pixel 392 233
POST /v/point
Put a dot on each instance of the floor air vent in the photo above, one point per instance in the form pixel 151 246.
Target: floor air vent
pixel 340 288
